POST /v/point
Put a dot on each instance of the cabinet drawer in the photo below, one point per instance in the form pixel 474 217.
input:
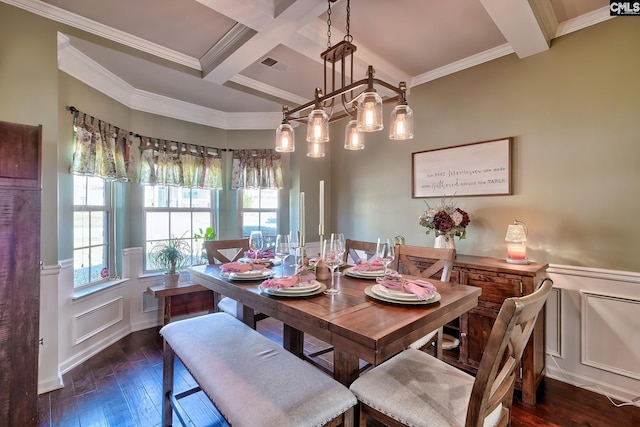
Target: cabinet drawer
pixel 495 288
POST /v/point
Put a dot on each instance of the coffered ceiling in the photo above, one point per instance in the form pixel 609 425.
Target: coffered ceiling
pixel 233 63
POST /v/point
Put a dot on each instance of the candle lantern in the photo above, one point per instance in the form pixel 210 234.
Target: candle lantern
pixel 516 243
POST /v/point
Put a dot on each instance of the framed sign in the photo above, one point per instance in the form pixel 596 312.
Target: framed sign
pixel 479 169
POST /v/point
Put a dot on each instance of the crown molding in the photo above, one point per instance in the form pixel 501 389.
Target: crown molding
pixel 463 64
pixel 235 37
pixel 81 67
pixel 584 21
pixel 54 13
pixel 268 89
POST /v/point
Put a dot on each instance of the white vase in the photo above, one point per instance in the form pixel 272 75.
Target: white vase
pixel 444 242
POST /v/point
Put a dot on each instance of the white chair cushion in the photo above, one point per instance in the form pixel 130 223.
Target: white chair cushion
pixel 229 306
pixel 417 390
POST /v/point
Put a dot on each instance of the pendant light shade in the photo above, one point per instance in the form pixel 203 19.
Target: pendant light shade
pixel 353 138
pixel 370 112
pixel 315 149
pixel 318 126
pixel 401 123
pixel 285 138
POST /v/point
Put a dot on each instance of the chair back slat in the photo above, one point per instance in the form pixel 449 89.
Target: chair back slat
pixel 352 247
pixel 213 248
pixel 410 259
pixel 496 375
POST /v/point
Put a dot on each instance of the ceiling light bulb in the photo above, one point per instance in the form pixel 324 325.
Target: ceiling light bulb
pixel 285 138
pixel 318 126
pixel 353 138
pixel 401 123
pixel 315 149
pixel 370 112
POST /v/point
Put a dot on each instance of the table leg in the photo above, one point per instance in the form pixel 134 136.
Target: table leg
pixel 293 340
pixel 167 310
pixel 346 367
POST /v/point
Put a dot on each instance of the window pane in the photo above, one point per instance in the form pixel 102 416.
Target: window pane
pixel 201 198
pixel 268 223
pixel 80 229
pixel 157 225
pixel 98 231
pixel 79 190
pixel 95 191
pixel 250 222
pixel 156 196
pixel 201 220
pixel 98 262
pixel 251 199
pixel 183 197
pixel 181 224
pixel 173 196
pixel 269 199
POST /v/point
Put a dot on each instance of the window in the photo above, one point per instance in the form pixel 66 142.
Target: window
pixel 175 212
pixel 92 222
pixel 259 211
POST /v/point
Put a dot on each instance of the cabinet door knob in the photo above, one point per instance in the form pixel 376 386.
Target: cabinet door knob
pixel 462 334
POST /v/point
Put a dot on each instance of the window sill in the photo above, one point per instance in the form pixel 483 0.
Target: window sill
pixel 91 290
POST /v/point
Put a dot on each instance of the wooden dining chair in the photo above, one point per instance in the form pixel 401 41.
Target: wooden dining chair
pixel 224 251
pixel 417 389
pixel 430 263
pixel 358 250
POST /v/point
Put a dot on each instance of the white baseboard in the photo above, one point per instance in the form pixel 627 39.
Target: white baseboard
pixel 49 384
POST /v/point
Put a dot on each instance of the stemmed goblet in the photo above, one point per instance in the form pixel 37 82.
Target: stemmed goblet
pixel 385 251
pixel 332 257
pixel 256 242
pixel 283 249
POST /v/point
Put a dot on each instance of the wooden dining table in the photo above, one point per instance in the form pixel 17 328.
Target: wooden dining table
pixel 356 325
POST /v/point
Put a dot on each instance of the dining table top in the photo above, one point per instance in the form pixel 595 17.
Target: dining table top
pixel 355 324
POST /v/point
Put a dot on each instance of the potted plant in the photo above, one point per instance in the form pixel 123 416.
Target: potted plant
pixel 205 235
pixel 171 256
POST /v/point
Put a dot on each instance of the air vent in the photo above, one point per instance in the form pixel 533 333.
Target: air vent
pixel 273 63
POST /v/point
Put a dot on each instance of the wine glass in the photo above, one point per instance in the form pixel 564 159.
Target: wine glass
pixel 294 242
pixel 283 249
pixel 340 244
pixel 332 258
pixel 256 242
pixel 385 252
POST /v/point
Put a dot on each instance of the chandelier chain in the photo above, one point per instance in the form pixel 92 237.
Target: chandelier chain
pixel 348 37
pixel 329 25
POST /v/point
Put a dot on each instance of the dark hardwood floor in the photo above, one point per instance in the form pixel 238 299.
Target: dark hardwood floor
pixel 122 386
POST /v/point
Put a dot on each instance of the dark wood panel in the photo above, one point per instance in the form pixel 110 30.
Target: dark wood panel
pixel 20 159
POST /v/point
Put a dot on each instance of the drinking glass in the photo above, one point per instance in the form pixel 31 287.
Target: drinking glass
pixel 332 258
pixel 385 252
pixel 256 242
pixel 340 244
pixel 283 248
pixel 294 242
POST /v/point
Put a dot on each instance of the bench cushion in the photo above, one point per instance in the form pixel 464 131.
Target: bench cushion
pixel 252 380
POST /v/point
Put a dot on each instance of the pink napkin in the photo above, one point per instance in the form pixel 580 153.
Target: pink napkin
pixel 264 255
pixel 239 267
pixel 304 274
pixel 374 265
pixel 421 288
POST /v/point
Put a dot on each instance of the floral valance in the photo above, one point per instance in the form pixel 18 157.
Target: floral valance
pixel 257 169
pixel 165 162
pixel 101 149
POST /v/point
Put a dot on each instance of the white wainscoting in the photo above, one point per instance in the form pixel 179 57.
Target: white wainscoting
pixel 593 319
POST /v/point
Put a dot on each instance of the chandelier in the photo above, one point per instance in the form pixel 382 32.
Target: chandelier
pixel 364 108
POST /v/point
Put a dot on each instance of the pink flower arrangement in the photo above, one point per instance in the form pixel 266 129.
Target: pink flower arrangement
pixel 445 219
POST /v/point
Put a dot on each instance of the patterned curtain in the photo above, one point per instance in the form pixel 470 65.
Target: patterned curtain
pixel 101 149
pixel 165 162
pixel 257 169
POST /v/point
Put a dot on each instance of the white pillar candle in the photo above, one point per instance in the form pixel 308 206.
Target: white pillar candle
pixel 302 219
pixel 321 230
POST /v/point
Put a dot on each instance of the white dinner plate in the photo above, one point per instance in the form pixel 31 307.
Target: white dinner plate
pixel 394 294
pixel 366 274
pixel 280 293
pixel 249 275
pixel 369 292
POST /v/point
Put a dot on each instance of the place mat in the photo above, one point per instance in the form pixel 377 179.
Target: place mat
pixel 280 293
pixel 369 292
pixel 248 275
pixel 366 274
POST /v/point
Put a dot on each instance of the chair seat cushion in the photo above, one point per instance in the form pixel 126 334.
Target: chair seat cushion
pixel 417 390
pixel 229 306
pixel 252 380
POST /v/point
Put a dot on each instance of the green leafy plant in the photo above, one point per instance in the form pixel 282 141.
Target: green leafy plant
pixel 171 256
pixel 205 235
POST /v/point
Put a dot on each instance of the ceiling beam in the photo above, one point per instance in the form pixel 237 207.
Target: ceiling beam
pixel 520 24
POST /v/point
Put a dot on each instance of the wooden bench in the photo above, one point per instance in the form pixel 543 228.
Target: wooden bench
pixel 250 379
pixel 184 298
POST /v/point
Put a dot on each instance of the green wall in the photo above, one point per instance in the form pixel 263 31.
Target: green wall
pixel 573 112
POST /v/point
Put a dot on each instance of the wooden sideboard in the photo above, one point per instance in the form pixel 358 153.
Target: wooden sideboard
pixel 499 280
